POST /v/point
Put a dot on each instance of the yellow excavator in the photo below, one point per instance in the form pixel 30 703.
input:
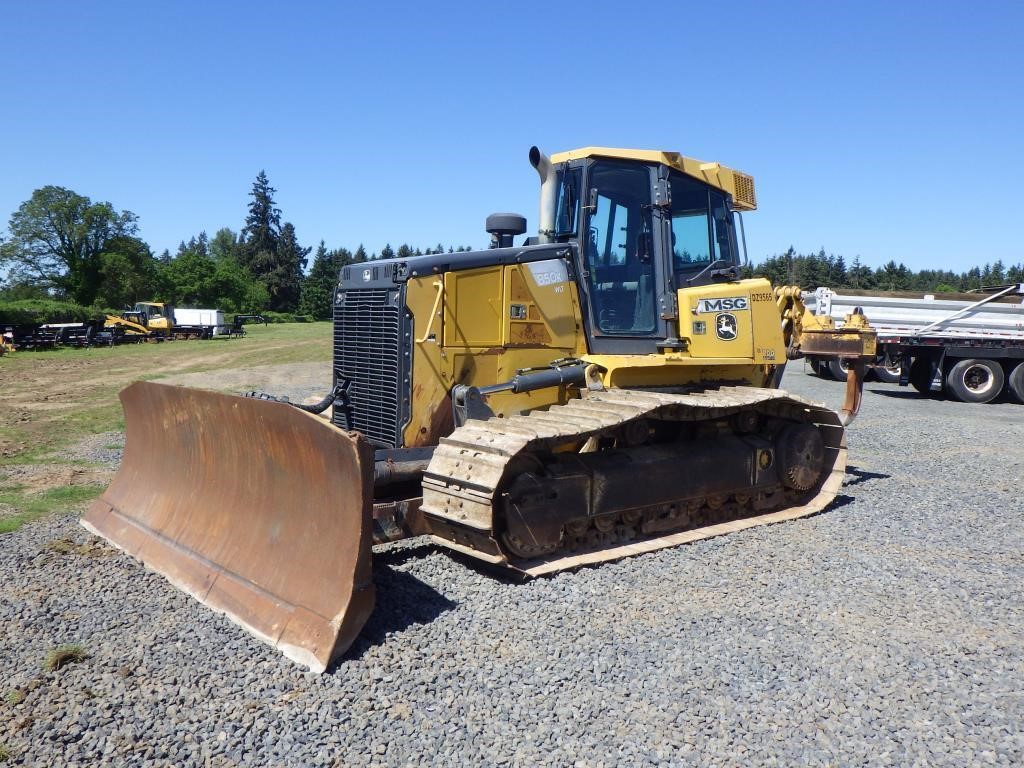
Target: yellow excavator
pixel 604 389
pixel 147 319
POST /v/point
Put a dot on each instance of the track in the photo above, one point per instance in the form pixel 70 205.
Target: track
pixel 467 497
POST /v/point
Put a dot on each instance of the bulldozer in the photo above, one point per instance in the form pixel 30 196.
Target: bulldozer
pixel 606 388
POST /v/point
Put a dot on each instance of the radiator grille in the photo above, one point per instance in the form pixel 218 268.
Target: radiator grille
pixel 744 197
pixel 367 342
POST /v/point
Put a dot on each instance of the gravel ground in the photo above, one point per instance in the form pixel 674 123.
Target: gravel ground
pixel 887 630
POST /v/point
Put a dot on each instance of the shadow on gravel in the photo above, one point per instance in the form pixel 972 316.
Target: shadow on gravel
pixel 863 476
pixel 402 600
pixel 399 556
pixel 904 394
pixel 838 502
pixel 405 554
pixel 913 394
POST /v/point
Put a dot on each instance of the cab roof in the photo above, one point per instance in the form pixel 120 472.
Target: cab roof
pixel 736 183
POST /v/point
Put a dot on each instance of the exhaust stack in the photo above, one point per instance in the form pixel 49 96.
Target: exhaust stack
pixel 542 163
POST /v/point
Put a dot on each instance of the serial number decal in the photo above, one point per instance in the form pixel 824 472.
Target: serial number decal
pixel 763 296
pixel 548 272
pixel 729 304
pixel 766 354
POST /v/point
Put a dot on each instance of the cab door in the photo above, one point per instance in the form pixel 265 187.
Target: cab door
pixel 618 264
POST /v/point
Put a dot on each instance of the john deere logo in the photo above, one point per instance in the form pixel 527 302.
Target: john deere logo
pixel 367 275
pixel 725 326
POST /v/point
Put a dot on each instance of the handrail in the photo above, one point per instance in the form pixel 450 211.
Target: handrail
pixel 439 285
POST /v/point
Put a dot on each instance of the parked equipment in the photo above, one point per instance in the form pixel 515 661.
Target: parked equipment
pixel 971 348
pixel 605 389
pixel 237 327
pixel 147 319
pixel 156 320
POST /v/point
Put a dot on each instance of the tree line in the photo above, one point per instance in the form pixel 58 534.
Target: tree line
pixel 61 245
pixel 814 270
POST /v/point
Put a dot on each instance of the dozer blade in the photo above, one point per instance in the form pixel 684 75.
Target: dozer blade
pixel 255 508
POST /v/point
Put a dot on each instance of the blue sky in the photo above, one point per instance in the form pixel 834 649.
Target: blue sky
pixel 888 130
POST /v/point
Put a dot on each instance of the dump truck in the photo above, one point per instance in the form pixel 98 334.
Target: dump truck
pixel 970 347
pixel 607 388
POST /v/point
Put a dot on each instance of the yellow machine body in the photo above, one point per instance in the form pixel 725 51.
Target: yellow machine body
pixel 474 340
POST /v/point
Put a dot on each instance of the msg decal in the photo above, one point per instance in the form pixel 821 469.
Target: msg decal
pixel 729 304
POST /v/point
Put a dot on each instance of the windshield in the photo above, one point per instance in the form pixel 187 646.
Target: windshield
pixel 147 310
pixel 701 224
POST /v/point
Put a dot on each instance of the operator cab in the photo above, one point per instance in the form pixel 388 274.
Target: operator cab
pixel 644 230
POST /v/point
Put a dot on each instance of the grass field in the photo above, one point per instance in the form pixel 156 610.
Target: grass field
pixel 53 400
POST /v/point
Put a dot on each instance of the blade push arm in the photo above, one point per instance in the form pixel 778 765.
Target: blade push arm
pixel 809 334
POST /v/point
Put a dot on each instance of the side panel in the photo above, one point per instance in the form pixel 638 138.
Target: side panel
pixel 733 334
pixel 732 320
pixel 488 324
pixel 472 307
pixel 540 307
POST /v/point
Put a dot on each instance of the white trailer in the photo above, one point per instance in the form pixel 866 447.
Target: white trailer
pixel 972 350
pixel 199 322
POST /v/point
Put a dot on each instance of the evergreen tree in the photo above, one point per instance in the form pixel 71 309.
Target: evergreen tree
pixel 998 272
pixel 269 251
pixel 387 253
pixel 360 255
pixel 283 277
pixel 838 271
pixel 318 288
pixel 262 230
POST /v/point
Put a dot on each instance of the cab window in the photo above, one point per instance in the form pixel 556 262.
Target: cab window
pixel 567 207
pixel 701 228
pixel 617 249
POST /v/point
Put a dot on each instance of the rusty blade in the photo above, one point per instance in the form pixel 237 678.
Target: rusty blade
pixel 255 508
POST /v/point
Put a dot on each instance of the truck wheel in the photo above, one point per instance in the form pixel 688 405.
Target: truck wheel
pixel 837 369
pixel 921 376
pixel 975 381
pixel 887 370
pixel 815 364
pixel 1017 382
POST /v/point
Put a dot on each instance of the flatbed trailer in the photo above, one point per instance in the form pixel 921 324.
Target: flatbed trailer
pixel 970 349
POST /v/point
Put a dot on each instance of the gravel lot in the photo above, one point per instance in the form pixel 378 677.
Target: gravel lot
pixel 887 630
